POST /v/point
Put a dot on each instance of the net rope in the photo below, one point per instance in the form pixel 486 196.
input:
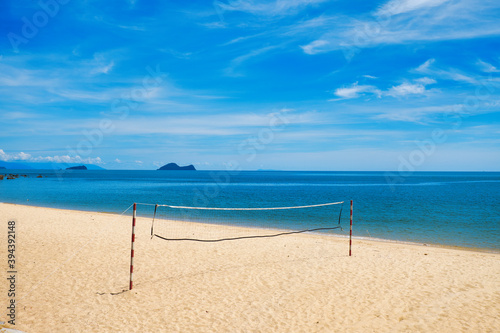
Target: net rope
pixel 276 234
pixel 259 208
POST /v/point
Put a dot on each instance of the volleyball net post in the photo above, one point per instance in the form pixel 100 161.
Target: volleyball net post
pixel 131 281
pixel 350 232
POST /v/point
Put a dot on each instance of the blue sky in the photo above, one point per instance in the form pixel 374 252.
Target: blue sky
pixel 410 85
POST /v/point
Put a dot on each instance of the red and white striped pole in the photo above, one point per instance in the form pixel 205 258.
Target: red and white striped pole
pixel 350 233
pixel 132 249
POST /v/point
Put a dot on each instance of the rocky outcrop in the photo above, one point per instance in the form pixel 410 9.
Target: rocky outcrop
pixel 175 167
pixel 80 167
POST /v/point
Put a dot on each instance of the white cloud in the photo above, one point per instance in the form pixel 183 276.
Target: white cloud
pixel 418 87
pixel 13 157
pixel 416 21
pixel 314 47
pixel 67 159
pixel 406 88
pixel 242 39
pixel 417 115
pixel 42 86
pixel 226 124
pixel 426 80
pixel 103 69
pixel 424 68
pixel 457 76
pixel 355 91
pixel 449 74
pixel 238 61
pixel 447 113
pixel 16 115
pixel 21 156
pixel 266 7
pixel 394 7
pixel 486 67
pixel 3 156
pixel 13 76
pixel 100 64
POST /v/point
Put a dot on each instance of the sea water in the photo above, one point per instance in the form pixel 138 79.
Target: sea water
pixel 448 208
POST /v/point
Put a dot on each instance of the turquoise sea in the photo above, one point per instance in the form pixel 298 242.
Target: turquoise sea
pixel 448 208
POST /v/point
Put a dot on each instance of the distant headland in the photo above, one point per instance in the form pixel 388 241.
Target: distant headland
pixel 79 167
pixel 174 166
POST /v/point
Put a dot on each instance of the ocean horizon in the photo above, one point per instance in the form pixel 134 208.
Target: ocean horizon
pixel 442 208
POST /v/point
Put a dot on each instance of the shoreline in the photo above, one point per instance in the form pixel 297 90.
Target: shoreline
pixel 354 237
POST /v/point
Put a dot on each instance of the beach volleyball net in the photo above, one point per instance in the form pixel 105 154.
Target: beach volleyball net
pixel 216 224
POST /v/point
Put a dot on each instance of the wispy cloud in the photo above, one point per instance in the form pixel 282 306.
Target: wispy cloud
pixel 453 74
pixel 103 68
pixel 425 80
pixel 267 7
pixel 16 115
pixel 424 68
pixel 395 7
pixel 487 67
pixel 418 87
pixel 243 38
pixel 408 21
pixel 93 86
pixel 16 77
pixel 213 125
pixel 355 90
pixel 447 114
pixel 315 47
pixel 236 63
pixel 204 124
pixel 408 88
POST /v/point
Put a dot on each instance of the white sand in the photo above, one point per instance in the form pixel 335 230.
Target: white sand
pixel 71 263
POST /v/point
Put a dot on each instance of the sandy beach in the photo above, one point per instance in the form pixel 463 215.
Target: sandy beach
pixel 73 273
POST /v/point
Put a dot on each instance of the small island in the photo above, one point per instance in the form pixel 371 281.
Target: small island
pixel 2 167
pixel 175 167
pixel 80 167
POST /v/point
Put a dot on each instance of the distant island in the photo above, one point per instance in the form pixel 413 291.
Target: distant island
pixel 1 167
pixel 174 166
pixel 80 167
